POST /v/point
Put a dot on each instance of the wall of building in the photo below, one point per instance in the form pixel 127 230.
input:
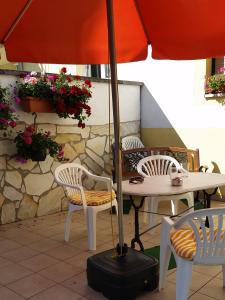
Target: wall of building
pixel 174 111
pixel 29 190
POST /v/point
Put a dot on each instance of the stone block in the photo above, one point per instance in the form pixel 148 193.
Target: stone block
pixel 29 165
pixel 102 129
pixel 95 168
pixel 46 164
pixel 2 198
pixel 7 147
pixel 12 194
pixel 27 209
pixel 74 129
pixel 67 138
pixel 97 145
pixel 51 202
pixel 95 157
pixel 8 213
pixel 69 152
pixel 2 163
pixel 79 147
pixel 13 178
pixel 37 184
pixel 48 127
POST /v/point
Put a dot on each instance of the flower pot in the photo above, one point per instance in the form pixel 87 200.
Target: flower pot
pixel 37 155
pixel 34 104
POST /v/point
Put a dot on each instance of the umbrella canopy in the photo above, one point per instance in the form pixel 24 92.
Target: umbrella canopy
pixel 75 31
pixel 82 32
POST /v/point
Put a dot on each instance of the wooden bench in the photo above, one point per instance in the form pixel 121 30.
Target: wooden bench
pixel 187 157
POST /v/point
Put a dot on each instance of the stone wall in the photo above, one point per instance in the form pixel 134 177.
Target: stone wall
pixel 29 190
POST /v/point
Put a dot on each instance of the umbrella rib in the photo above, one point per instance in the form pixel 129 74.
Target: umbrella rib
pixel 142 23
pixel 13 26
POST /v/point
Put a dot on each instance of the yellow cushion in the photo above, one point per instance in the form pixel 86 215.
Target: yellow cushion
pixel 183 241
pixel 93 198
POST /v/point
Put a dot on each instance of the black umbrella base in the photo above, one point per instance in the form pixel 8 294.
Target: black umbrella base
pixel 122 278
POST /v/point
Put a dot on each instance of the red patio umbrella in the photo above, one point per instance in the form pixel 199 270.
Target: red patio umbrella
pixel 76 32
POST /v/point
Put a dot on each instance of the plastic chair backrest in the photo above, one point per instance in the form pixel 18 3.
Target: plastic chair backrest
pixel 210 241
pixel 131 142
pixel 70 174
pixel 157 165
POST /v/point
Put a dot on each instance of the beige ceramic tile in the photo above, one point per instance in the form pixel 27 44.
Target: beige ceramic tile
pixel 198 280
pixel 60 272
pixel 214 289
pixel 20 254
pixel 12 272
pixel 7 245
pixel 38 262
pixel 30 285
pixel 63 252
pixel 198 296
pixel 44 245
pixel 57 292
pixel 6 294
pixel 209 270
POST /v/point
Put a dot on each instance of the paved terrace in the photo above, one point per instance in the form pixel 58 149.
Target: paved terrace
pixel 35 262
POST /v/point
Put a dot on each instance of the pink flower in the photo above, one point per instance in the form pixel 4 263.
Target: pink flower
pixel 53 88
pixel 88 83
pixel 3 121
pixel 28 140
pixel 17 99
pixel 221 70
pixel 12 124
pixel 77 77
pixel 63 70
pixel 52 77
pixel 62 90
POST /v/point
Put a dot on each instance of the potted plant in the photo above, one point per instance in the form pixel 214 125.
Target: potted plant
pixel 70 96
pixel 35 145
pixel 7 112
pixel 64 94
pixel 215 86
pixel 34 93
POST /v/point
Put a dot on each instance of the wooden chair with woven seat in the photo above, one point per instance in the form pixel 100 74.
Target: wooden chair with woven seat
pixel 192 243
pixel 70 176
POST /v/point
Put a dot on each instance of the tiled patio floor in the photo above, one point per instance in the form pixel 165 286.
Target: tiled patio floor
pixel 35 262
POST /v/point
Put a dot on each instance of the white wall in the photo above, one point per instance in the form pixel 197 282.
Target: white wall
pixel 129 105
pixel 173 98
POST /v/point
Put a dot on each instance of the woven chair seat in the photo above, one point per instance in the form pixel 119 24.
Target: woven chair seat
pixel 93 198
pixel 183 241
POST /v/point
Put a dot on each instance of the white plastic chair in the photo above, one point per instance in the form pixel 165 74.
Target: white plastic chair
pixel 70 176
pixel 209 246
pixel 131 142
pixel 155 165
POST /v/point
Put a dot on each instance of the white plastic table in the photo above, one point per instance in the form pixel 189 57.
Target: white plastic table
pixel 161 186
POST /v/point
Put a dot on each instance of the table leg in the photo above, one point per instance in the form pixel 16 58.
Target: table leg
pixel 207 202
pixel 136 238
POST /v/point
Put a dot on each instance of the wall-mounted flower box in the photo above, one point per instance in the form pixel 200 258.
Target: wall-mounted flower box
pixel 33 104
pixel 220 97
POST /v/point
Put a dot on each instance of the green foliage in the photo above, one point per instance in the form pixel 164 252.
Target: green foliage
pixel 30 141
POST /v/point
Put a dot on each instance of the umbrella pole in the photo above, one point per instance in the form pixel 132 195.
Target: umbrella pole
pixel 121 248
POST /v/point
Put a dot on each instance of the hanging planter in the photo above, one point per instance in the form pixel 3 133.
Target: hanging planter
pixel 219 97
pixel 35 104
pixel 37 155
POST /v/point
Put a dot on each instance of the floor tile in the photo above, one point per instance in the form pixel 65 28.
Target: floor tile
pixel 57 292
pixel 20 254
pixel 214 289
pixel 6 294
pixel 4 262
pixel 198 280
pixel 44 244
pixel 12 272
pixel 38 262
pixel 7 245
pixel 30 285
pixel 198 296
pixel 60 272
pixel 63 252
